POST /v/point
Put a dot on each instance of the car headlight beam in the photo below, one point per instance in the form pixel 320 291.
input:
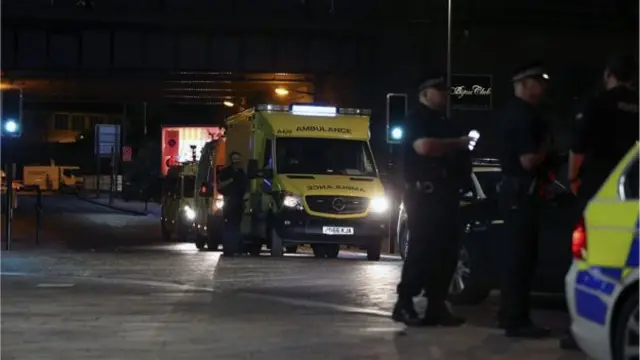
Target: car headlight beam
pixel 292 201
pixel 189 213
pixel 379 204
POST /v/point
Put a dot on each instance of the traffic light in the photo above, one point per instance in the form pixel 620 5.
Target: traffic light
pixel 396 115
pixel 11 112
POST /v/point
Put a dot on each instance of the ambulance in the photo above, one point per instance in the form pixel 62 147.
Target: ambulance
pixel 602 284
pixel 313 179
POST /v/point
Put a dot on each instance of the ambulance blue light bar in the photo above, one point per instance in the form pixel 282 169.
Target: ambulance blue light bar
pixel 313 110
pixel 310 110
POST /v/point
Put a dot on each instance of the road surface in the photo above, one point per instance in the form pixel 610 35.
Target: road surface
pixel 135 298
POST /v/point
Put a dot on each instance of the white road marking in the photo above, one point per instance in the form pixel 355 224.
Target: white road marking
pixel 321 305
pixel 55 285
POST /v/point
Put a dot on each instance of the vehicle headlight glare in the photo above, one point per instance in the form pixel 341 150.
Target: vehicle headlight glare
pixel 219 203
pixel 379 204
pixel 292 201
pixel 189 213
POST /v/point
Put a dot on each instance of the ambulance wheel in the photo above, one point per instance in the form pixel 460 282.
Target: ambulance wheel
pixel 625 333
pixel 255 249
pixel 213 237
pixel 166 233
pixel 276 244
pixel 292 249
pixel 332 251
pixel 183 232
pixel 319 251
pixel 201 242
pixel 374 249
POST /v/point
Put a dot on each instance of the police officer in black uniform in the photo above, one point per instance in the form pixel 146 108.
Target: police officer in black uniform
pixel 604 131
pixel 233 185
pixel 524 139
pixel 436 166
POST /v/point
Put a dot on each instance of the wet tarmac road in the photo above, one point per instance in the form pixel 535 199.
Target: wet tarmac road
pixel 141 299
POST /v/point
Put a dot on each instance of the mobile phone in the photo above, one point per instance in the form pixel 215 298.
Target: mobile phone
pixel 474 135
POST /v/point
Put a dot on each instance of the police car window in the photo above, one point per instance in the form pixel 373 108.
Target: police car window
pixel 324 156
pixel 631 181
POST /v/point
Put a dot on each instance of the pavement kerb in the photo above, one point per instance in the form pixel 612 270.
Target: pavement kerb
pixel 113 207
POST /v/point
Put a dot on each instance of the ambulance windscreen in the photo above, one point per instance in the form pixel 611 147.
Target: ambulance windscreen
pixel 324 157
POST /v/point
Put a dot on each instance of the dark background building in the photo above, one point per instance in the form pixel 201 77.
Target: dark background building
pixel 86 62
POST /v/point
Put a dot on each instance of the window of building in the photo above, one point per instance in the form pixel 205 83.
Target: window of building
pixel 77 122
pixel 61 121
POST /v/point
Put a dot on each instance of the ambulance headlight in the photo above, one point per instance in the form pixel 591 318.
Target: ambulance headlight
pixel 292 201
pixel 219 203
pixel 189 213
pixel 379 204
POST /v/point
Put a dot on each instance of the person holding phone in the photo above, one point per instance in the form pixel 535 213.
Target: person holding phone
pixel 437 166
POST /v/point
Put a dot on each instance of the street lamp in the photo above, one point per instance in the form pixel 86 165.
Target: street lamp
pixel 449 10
pixel 280 91
pixel 228 103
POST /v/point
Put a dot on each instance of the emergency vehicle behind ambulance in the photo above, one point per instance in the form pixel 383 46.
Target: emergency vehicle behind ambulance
pixel 313 178
pixel 602 284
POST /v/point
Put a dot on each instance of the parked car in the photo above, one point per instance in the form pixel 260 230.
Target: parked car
pixel 478 269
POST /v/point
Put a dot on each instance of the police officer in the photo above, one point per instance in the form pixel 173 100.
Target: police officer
pixel 524 146
pixel 436 166
pixel 233 184
pixel 606 129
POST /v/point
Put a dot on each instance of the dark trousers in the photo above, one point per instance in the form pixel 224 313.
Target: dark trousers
pixel 231 234
pixel 520 255
pixel 434 244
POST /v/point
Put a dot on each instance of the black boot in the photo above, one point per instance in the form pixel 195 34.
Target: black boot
pixel 404 312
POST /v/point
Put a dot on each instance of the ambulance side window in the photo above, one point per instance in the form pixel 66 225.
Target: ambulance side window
pixel 268 158
pixel 631 181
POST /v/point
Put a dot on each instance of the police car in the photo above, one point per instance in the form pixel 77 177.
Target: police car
pixel 478 269
pixel 602 284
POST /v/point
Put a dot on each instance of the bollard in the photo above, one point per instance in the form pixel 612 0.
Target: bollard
pixel 38 213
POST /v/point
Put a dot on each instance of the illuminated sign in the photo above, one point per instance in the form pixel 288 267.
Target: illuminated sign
pixel 335 187
pixel 471 92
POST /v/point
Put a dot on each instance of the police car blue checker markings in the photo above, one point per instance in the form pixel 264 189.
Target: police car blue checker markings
pixel 590 289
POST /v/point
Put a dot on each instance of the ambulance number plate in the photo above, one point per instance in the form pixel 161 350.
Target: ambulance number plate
pixel 337 230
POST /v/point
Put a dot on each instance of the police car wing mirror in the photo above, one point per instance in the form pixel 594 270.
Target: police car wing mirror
pixel 206 190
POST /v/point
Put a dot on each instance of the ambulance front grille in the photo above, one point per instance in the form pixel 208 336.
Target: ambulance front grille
pixel 343 205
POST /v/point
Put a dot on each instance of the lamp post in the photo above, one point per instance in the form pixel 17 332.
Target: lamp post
pixel 449 58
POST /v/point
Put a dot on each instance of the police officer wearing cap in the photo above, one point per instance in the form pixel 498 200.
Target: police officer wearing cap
pixel 605 130
pixel 524 145
pixel 436 166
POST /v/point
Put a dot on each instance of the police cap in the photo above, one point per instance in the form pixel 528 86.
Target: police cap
pixel 533 70
pixel 436 80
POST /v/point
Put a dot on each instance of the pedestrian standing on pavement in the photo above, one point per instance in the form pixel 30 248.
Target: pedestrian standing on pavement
pixel 524 144
pixel 604 131
pixel 436 166
pixel 233 185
